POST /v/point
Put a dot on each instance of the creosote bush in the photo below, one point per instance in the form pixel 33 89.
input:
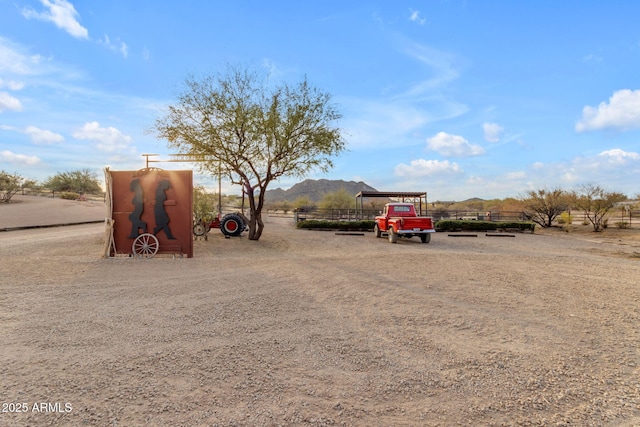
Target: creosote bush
pixel 69 195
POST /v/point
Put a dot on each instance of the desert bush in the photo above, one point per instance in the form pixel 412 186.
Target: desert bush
pixel 10 184
pixel 623 224
pixel 565 218
pixel 336 225
pixel 596 202
pixel 79 181
pixel 545 206
pixel 69 195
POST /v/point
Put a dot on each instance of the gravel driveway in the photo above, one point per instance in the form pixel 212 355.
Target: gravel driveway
pixel 314 329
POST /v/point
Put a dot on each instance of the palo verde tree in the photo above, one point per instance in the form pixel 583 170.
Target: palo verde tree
pixel 546 205
pixel 596 202
pixel 339 199
pixel 253 131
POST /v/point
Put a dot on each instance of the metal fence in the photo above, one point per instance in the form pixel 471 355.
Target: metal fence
pixel 326 214
pixel 614 218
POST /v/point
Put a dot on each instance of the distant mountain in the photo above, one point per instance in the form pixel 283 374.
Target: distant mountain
pixel 315 189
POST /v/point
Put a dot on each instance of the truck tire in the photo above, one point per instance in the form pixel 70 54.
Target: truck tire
pixel 232 225
pixel 426 238
pixel 377 231
pixel 393 236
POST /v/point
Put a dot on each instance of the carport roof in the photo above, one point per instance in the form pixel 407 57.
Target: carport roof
pixel 390 194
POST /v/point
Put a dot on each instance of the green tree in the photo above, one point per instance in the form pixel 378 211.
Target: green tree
pixel 204 204
pixel 339 199
pixel 302 202
pixel 596 202
pixel 545 206
pixel 253 131
pixel 82 181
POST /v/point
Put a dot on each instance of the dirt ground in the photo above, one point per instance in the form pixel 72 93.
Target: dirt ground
pixel 316 329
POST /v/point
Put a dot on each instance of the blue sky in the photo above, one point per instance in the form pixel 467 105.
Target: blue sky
pixel 457 98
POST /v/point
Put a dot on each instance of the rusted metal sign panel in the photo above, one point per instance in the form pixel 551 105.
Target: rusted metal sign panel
pixel 153 201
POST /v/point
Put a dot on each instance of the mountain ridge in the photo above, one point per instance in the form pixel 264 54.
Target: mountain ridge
pixel 315 189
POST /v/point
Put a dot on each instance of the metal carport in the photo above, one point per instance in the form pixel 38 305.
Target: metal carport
pixel 417 198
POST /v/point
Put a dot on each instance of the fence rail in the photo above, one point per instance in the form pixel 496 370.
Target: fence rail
pixel 631 217
pixel 326 214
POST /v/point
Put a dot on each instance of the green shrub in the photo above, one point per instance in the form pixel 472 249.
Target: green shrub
pixel 69 195
pixel 336 225
pixel 462 225
pixel 623 224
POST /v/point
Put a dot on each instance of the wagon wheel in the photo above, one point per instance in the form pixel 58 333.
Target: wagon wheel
pixel 199 229
pixel 145 245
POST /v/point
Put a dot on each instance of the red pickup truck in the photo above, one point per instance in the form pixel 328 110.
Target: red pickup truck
pixel 400 219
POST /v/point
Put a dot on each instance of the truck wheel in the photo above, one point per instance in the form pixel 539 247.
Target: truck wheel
pixel 393 236
pixel 232 225
pixel 377 231
pixel 426 238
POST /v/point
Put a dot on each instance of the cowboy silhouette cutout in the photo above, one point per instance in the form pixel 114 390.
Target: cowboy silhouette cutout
pixel 137 223
pixel 162 219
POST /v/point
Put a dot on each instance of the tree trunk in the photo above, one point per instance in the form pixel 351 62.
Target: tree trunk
pixel 255 226
pixel 255 214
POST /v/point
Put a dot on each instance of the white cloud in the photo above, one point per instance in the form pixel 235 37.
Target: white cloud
pixel 9 103
pixel 124 49
pixel 440 63
pixel 20 159
pixel 618 156
pixel 371 123
pixel 492 132
pixel 13 60
pixel 108 139
pixel 622 112
pixel 62 14
pixel 116 46
pixel 11 84
pixel 397 118
pixel 41 136
pixel 453 146
pixel 512 176
pixel 421 168
pixel 415 17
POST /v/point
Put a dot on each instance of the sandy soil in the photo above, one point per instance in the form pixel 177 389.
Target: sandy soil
pixel 312 328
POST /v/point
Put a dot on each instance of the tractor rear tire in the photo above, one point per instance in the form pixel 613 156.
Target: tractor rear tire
pixel 232 225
